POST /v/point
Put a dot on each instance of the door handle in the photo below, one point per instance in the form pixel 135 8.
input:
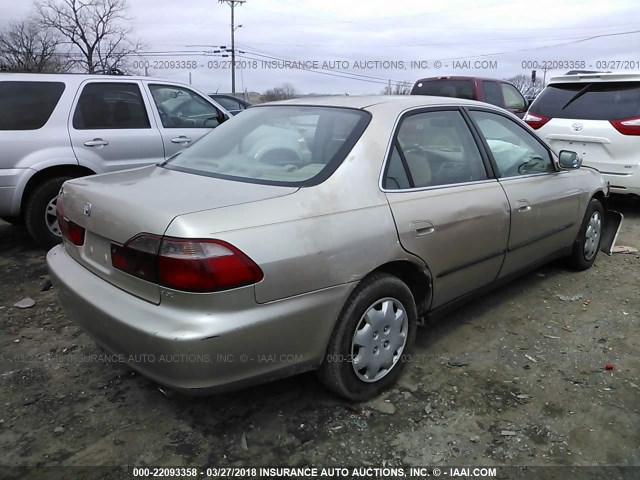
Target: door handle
pixel 422 227
pixel 96 142
pixel 525 208
pixel 181 139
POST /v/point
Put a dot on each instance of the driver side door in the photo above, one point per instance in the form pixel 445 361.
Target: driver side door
pixel 544 200
pixel 183 115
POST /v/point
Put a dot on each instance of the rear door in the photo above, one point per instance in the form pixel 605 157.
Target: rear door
pixel 544 201
pixel 110 128
pixel 587 117
pixel 183 115
pixel 447 208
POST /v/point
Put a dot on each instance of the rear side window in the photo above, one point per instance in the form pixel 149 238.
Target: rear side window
pixel 110 105
pixel 434 148
pixel 228 103
pixel 589 101
pixel 444 88
pixel 28 105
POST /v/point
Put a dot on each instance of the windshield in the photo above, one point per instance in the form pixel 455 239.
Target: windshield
pixel 276 145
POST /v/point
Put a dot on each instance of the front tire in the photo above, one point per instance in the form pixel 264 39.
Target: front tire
pixel 372 337
pixel 587 244
pixel 40 214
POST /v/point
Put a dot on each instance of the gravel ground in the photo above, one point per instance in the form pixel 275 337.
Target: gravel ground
pixel 517 377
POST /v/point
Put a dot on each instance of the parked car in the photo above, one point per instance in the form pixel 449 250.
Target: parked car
pixel 220 268
pixel 598 116
pixel 54 127
pixel 231 103
pixel 490 90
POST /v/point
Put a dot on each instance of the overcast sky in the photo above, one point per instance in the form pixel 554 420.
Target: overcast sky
pixel 457 33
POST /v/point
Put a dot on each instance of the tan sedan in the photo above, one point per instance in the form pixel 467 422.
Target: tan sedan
pixel 315 234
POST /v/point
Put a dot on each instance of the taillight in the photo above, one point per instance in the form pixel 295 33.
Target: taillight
pixel 627 126
pixel 535 121
pixel 186 264
pixel 138 257
pixel 70 230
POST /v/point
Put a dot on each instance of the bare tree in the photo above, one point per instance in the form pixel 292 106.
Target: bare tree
pixel 400 88
pixel 25 47
pixel 523 83
pixel 97 28
pixel 283 92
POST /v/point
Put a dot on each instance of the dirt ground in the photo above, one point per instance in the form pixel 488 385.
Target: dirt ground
pixel 515 378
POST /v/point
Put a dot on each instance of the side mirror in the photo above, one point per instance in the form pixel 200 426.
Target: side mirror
pixel 569 159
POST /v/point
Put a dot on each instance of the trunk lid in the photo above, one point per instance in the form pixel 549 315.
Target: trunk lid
pixel 115 207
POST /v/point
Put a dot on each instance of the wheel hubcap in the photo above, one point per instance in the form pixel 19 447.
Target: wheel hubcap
pixel 379 339
pixel 51 219
pixel 592 236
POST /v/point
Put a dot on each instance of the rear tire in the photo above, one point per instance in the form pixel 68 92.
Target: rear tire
pixel 39 213
pixel 587 244
pixel 371 339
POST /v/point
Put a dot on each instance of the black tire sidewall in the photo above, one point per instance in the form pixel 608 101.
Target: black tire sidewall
pixel 578 260
pixel 35 210
pixel 338 357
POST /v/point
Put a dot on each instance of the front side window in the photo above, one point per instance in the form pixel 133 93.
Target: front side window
pixel 515 151
pixel 109 106
pixel 513 99
pixel 276 145
pixel 434 148
pixel 183 108
pixel 492 93
pixel 28 105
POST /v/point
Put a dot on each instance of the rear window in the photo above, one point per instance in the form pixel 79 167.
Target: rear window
pixel 444 88
pixel 28 105
pixel 276 145
pixel 589 101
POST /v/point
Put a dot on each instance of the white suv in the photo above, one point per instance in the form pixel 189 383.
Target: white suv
pixel 596 115
pixel 54 127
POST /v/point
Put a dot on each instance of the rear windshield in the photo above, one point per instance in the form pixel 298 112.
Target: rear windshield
pixel 589 101
pixel 444 88
pixel 27 105
pixel 276 145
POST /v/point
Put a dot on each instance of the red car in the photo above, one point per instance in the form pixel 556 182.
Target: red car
pixel 488 90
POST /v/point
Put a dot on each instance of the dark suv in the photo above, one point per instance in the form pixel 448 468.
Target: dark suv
pixel 488 90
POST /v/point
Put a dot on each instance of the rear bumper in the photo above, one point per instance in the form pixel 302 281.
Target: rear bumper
pixel 200 350
pixel 623 184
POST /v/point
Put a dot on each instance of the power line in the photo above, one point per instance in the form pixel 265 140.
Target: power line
pixel 232 4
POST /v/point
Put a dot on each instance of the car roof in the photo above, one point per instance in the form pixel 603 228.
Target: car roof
pixel 78 77
pixel 365 101
pixel 460 77
pixel 597 77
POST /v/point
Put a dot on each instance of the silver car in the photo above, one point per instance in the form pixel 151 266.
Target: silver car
pixel 249 256
pixel 57 126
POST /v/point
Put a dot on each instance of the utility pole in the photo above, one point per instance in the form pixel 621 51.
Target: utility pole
pixel 232 4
